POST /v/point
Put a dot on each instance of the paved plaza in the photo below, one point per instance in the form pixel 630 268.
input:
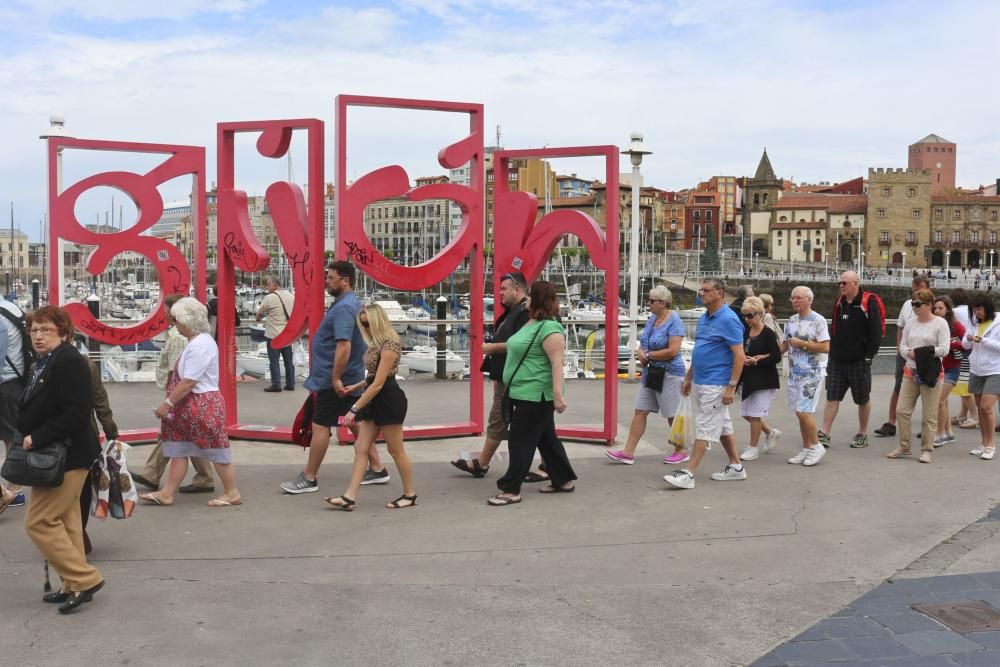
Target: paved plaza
pixel 793 566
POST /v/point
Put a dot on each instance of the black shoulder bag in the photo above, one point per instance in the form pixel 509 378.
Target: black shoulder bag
pixel 44 466
pixel 507 404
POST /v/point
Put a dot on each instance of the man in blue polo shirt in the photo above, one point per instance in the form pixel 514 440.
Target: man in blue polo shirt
pixel 336 361
pixel 716 365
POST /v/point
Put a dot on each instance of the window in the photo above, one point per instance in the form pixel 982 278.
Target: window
pixel 993 237
pixel 911 237
pixel 880 212
pixel 798 241
pixel 779 241
pixel 956 214
pixel 993 215
pixel 956 236
pixel 765 199
pixel 783 218
pixel 886 191
pixel 779 233
pixel 697 215
pixel 696 230
pixel 756 199
pixel 911 192
pixel 798 232
pixel 939 236
pixel 938 214
pixel 974 236
pixel 708 216
pixel 883 237
pixel 916 214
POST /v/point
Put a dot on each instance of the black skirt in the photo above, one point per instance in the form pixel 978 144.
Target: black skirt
pixel 388 408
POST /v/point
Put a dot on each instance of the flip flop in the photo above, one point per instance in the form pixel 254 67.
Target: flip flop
pixel 153 500
pixel 219 502
pixel 501 501
pixel 557 489
pixel 533 477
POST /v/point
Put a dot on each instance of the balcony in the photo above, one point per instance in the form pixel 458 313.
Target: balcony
pixel 911 242
pixel 885 242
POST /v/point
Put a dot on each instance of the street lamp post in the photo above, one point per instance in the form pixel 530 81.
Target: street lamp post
pixel 57 129
pixel 861 263
pixel 992 263
pixel 826 265
pixel 756 265
pixel 904 262
pixel 636 151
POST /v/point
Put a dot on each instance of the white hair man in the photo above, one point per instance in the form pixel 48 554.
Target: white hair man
pixel 807 342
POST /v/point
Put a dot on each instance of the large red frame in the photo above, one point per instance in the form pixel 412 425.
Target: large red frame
pixel 521 244
pixel 173 273
pixel 392 181
pixel 299 226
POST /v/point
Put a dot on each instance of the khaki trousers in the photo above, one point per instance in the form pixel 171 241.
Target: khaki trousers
pixel 909 391
pixel 54 525
pixel 156 464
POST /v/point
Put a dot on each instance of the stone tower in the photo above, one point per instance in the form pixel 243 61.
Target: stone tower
pixel 760 194
pixel 938 155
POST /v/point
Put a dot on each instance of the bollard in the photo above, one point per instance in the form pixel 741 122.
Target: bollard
pixel 442 340
pixel 94 345
pixel 35 286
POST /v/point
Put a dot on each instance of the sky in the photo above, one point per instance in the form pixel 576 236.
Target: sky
pixel 829 88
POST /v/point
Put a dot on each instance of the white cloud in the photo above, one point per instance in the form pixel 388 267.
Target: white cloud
pixel 830 92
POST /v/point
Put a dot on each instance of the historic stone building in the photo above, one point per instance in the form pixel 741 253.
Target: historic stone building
pixel 818 227
pixel 898 223
pixel 760 194
pixel 964 231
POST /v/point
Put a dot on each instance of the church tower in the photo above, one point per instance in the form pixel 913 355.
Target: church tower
pixel 760 194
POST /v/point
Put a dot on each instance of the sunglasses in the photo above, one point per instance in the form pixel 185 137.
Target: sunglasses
pixel 917 304
pixel 749 316
pixel 517 278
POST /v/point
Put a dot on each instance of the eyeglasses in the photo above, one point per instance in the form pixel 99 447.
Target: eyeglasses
pixel 43 331
pixel 917 304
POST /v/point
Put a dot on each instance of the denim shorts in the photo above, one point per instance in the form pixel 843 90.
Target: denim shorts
pixel 951 375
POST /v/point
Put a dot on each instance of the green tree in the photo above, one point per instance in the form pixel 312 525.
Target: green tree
pixel 710 258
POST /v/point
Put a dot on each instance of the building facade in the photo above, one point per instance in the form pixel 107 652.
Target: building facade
pixel 898 222
pixel 701 213
pixel 760 194
pixel 964 232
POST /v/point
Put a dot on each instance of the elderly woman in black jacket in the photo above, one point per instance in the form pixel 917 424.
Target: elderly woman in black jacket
pixel 760 381
pixel 56 407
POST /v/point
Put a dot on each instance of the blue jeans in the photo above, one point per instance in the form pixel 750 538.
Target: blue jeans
pixel 272 357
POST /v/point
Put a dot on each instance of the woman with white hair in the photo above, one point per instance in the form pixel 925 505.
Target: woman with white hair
pixel 662 375
pixel 192 414
pixel 759 381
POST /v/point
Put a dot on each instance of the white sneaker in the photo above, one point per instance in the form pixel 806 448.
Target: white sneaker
pixel 988 453
pixel 800 457
pixel 978 451
pixel 816 452
pixel 770 440
pixel 749 454
pixel 682 479
pixel 730 474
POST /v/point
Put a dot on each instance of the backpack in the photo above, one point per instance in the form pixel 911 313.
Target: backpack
pixel 302 426
pixel 27 351
pixel 866 298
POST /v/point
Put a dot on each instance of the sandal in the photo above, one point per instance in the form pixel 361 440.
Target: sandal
pixel 394 505
pixel 222 502
pixel 557 489
pixel 502 501
pixel 345 505
pixel 475 470
pixel 897 453
pixel 532 477
pixel 154 500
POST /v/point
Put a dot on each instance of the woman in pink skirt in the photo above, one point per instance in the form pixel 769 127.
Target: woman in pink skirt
pixel 193 416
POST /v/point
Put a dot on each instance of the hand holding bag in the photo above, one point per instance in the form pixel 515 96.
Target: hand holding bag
pixel 507 403
pixel 42 466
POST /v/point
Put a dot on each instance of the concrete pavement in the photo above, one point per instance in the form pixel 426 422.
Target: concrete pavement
pixel 624 571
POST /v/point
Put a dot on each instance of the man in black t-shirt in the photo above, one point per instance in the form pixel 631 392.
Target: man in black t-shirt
pixel 213 313
pixel 513 296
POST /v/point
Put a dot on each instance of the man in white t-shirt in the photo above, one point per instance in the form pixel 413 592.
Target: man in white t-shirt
pixel 807 343
pixel 888 429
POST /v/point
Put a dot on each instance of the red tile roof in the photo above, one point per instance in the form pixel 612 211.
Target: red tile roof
pixel 832 203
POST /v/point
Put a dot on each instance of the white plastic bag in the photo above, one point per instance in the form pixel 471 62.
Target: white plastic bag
pixel 299 357
pixel 682 430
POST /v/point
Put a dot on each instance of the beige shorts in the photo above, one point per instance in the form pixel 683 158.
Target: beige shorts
pixel 712 419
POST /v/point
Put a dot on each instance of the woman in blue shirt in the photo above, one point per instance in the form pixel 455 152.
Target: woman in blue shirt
pixel 662 374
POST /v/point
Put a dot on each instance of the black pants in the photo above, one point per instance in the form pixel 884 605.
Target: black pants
pixel 534 427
